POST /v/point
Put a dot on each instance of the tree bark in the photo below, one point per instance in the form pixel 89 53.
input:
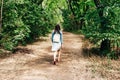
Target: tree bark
pixel 71 8
pixel 1 13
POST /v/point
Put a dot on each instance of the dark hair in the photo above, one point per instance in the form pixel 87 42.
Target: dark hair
pixel 57 29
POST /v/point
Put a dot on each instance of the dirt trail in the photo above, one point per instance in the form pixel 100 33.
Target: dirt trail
pixel 34 62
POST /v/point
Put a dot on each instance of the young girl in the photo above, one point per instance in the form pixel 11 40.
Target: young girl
pixel 57 40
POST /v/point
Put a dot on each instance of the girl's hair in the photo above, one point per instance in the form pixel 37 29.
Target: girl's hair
pixel 57 29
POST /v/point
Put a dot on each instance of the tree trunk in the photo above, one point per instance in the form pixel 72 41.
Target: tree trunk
pixel 105 45
pixel 71 8
pixel 1 13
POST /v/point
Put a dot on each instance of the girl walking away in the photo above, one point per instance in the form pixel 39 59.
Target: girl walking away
pixel 57 40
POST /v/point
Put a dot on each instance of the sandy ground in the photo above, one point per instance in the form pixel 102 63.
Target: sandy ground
pixel 34 62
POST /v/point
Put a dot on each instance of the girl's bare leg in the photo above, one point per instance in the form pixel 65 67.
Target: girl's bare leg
pixel 59 53
pixel 54 57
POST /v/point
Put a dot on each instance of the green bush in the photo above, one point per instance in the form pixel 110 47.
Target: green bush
pixel 100 24
pixel 23 21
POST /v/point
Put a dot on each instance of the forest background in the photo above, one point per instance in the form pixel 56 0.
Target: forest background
pixel 24 21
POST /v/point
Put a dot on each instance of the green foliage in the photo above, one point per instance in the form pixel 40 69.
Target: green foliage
pixel 26 20
pixel 23 21
pixel 74 16
pixel 110 29
pixel 68 18
pixel 54 9
pixel 85 17
pixel 111 55
pixel 13 29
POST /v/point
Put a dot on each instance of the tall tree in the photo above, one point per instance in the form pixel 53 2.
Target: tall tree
pixel 1 11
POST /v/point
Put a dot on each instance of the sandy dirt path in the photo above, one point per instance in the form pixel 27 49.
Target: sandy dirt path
pixel 34 62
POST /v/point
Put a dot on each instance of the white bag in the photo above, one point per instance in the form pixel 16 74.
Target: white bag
pixel 56 37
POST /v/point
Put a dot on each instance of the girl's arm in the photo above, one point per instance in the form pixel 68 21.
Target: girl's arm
pixel 61 37
pixel 52 36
